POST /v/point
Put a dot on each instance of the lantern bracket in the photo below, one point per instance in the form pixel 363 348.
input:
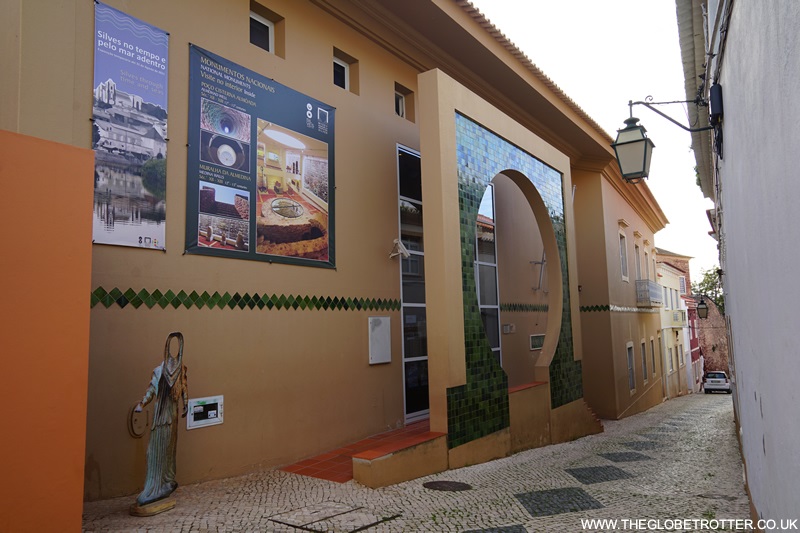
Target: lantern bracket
pixel 648 103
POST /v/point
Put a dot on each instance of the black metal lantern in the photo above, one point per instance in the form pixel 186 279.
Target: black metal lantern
pixel 633 151
pixel 702 308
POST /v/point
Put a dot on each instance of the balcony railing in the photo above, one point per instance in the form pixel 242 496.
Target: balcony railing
pixel 648 293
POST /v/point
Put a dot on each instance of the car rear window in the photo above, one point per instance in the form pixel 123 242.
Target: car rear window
pixel 716 375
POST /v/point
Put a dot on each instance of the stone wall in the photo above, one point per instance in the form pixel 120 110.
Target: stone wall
pixel 713 339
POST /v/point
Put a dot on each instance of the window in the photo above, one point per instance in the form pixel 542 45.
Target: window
pixel 341 73
pixel 266 29
pixel 666 298
pixel 680 355
pixel 400 104
pixel 623 256
pixel 485 266
pixel 653 355
pixel 345 71
pixel 412 280
pixel 644 361
pixel 537 341
pixel 262 32
pixel 646 266
pixel 637 257
pixel 404 102
pixel 682 282
pixel 671 360
pixel 631 376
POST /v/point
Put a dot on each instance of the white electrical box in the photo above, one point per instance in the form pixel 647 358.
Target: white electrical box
pixel 380 340
pixel 205 412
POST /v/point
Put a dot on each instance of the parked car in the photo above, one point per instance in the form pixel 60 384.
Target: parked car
pixel 716 381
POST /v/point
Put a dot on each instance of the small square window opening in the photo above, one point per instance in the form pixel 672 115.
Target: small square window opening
pixel 262 32
pixel 400 104
pixel 341 73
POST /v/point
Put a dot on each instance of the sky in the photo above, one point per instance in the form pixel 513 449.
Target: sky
pixel 603 54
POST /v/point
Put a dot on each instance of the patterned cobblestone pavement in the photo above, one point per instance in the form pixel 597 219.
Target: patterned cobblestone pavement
pixel 679 460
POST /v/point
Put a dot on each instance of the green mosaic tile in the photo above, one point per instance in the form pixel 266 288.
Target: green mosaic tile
pixel 167 299
pixel 594 308
pixel 100 296
pixel 524 308
pixel 137 301
pixel 182 299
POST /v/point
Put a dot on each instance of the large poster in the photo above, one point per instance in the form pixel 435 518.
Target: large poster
pixel 129 132
pixel 260 167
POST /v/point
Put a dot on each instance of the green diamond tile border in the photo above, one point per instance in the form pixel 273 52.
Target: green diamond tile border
pixel 523 308
pixel 480 407
pixel 150 299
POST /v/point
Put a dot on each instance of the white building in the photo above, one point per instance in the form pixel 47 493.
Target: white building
pixel 750 50
pixel 674 340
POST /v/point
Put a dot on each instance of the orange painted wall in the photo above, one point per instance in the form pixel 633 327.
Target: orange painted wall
pixel 44 326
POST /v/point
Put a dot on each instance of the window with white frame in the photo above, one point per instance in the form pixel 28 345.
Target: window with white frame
pixel 680 355
pixel 631 375
pixel 647 266
pixel 341 73
pixel 623 255
pixel 404 102
pixel 262 32
pixel 682 283
pixel 345 71
pixel 399 104
pixel 638 259
pixel 671 360
pixel 486 279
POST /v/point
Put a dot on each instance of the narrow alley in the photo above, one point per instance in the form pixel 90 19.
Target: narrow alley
pixel 676 462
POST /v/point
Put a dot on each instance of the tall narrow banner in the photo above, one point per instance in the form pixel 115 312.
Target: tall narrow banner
pixel 129 132
pixel 260 167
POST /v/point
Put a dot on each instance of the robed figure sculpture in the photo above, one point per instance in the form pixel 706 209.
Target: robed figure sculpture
pixel 168 387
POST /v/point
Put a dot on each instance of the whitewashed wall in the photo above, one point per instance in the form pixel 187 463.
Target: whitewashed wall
pixel 760 197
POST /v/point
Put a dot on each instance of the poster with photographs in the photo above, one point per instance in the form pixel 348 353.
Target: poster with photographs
pixel 260 167
pixel 129 130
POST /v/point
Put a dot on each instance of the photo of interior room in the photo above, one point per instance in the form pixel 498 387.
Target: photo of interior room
pixel 292 193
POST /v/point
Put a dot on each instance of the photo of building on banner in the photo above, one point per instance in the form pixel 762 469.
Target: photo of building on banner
pixel 260 167
pixel 129 130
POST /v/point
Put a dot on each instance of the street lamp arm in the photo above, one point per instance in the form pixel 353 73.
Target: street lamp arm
pixel 649 106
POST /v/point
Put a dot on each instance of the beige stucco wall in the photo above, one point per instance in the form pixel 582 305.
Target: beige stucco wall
pixel 519 243
pixel 610 317
pixel 288 376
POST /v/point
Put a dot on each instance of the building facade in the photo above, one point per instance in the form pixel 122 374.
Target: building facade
pixel 746 165
pixel 674 328
pixel 620 295
pixel 318 305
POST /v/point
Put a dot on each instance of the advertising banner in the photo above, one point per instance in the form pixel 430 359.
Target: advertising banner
pixel 129 131
pixel 260 167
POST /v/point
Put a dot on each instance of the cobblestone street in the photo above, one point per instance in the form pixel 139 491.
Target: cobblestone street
pixel 680 460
